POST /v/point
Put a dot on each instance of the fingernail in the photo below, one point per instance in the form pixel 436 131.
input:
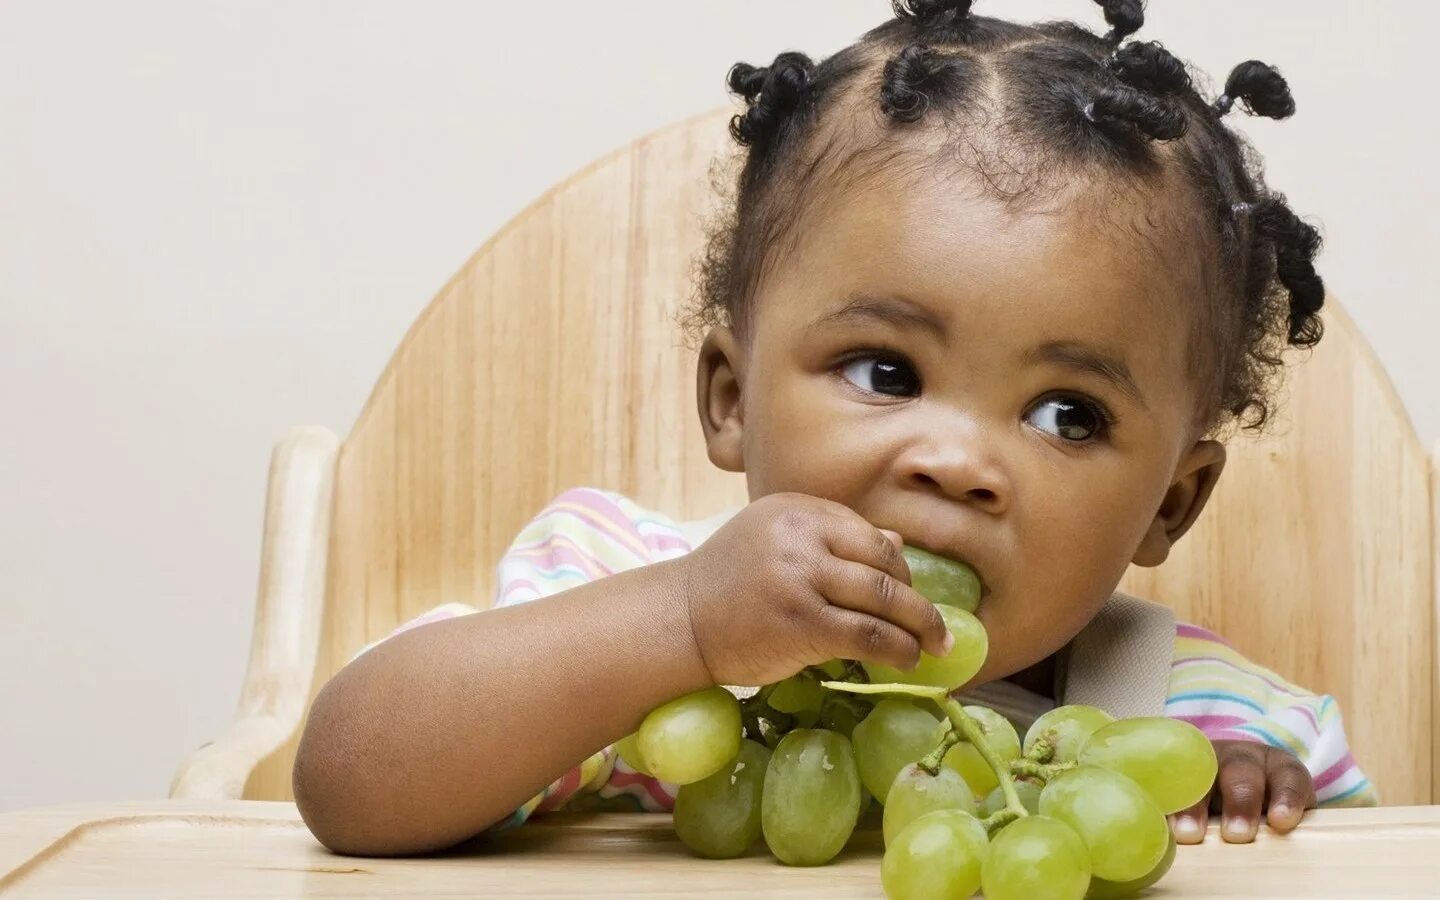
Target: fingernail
pixel 1187 828
pixel 1237 827
pixel 949 642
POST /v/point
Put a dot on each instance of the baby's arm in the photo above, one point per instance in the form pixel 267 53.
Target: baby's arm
pixel 439 732
pixel 1281 749
pixel 445 729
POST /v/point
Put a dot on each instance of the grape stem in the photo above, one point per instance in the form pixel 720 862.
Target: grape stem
pixel 909 690
pixel 931 763
pixel 962 726
pixel 1043 750
pixel 1042 772
pixel 960 721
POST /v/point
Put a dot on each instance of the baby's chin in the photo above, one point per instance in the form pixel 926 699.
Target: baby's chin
pixel 1013 651
pixel 1021 637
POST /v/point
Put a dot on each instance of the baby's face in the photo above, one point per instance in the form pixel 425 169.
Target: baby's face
pixel 1011 392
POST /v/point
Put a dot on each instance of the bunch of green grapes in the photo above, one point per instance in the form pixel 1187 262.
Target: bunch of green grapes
pixel 1075 810
pixel 1081 814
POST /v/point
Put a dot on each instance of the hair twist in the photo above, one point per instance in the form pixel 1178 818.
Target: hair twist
pixel 1148 66
pixel 1125 17
pixel 1296 243
pixel 1262 88
pixel 1122 105
pixel 772 93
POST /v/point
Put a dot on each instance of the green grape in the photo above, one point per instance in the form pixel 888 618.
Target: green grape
pixel 834 668
pixel 1121 826
pixel 1036 858
pixel 811 797
pixel 841 715
pixel 895 734
pixel 1100 889
pixel 797 694
pixel 915 792
pixel 692 736
pixel 1172 760
pixel 1002 740
pixel 942 580
pixel 951 670
pixel 719 817
pixel 806 718
pixel 938 856
pixel 1067 727
pixel 628 749
pixel 1027 790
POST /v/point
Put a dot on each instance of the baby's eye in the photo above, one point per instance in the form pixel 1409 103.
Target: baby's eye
pixel 1072 418
pixel 880 375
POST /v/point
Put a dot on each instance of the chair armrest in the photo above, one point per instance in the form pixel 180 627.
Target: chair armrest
pixel 1435 625
pixel 288 608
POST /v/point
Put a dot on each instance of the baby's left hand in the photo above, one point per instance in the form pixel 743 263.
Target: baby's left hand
pixel 1253 779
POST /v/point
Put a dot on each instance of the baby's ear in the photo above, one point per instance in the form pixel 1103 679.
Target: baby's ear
pixel 1195 478
pixel 718 377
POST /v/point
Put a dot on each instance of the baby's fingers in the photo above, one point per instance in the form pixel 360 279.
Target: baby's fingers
pixel 1189 825
pixel 856 635
pixel 1291 791
pixel 1241 786
pixel 858 587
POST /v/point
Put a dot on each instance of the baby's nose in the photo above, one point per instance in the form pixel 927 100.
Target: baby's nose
pixel 970 473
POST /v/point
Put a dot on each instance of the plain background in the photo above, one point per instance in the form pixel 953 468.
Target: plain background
pixel 218 219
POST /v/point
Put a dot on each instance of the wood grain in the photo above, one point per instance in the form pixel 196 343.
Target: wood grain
pixel 552 359
pixel 254 850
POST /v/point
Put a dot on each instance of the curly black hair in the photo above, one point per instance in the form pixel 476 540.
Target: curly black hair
pixel 1073 101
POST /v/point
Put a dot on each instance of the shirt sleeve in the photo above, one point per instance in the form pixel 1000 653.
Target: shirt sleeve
pixel 582 535
pixel 1229 697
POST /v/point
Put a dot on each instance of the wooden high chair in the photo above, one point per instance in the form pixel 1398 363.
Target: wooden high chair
pixel 552 360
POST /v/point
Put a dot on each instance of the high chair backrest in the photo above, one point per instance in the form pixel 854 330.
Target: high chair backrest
pixel 552 359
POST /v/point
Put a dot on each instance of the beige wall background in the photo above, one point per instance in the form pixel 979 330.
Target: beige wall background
pixel 217 220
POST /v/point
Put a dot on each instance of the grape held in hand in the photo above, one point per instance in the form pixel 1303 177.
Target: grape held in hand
pixel 941 580
pixel 951 670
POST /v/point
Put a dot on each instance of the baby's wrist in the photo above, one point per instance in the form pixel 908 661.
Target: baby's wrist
pixel 675 585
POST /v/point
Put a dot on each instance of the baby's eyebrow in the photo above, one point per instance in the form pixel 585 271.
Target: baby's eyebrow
pixel 892 311
pixel 1084 358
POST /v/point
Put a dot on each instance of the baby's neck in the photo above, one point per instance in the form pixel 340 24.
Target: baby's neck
pixel 1038 679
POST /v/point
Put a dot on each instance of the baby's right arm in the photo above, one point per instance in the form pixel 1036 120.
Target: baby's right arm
pixel 441 731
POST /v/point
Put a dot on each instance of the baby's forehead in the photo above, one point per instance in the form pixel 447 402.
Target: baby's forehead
pixel 954 235
pixel 1100 270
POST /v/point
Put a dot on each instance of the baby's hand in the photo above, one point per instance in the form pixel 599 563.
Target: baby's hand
pixel 793 580
pixel 1253 778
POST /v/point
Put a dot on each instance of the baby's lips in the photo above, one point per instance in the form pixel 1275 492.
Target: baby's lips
pixel 922 545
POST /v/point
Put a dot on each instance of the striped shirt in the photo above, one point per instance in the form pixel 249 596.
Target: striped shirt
pixel 586 533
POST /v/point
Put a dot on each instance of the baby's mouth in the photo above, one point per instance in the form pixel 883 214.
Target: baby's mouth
pixel 942 578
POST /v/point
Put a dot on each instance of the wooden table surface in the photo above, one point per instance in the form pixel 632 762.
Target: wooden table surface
pixel 240 849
